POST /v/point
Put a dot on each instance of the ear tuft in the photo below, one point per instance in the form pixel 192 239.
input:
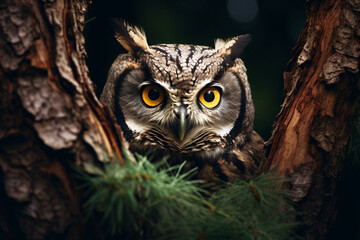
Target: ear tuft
pixel 233 47
pixel 130 37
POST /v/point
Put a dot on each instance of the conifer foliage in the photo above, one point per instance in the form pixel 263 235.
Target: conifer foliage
pixel 146 200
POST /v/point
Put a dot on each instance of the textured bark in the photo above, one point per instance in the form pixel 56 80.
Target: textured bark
pixel 321 85
pixel 50 119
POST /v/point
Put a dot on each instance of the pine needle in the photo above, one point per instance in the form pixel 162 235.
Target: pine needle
pixel 153 201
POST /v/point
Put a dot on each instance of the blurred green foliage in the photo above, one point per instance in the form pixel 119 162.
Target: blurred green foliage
pixel 274 30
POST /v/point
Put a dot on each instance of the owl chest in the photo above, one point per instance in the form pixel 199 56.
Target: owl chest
pixel 216 166
pixel 213 166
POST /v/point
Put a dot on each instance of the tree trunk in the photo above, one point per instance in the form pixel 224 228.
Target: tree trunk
pixel 51 121
pixel 321 88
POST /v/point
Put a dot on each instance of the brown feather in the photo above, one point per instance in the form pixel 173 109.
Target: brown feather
pixel 130 37
pixel 233 47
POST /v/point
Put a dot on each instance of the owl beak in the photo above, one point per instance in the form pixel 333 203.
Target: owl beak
pixel 182 127
pixel 182 122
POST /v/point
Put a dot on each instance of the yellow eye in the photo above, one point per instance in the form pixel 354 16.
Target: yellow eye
pixel 152 95
pixel 210 97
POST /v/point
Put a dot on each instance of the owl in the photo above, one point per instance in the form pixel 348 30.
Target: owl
pixel 190 103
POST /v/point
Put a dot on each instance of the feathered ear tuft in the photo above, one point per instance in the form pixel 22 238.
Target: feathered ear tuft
pixel 130 37
pixel 233 47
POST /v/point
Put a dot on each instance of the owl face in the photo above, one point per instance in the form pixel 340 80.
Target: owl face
pixel 181 98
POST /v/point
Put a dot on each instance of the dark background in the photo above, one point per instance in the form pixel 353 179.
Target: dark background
pixel 274 26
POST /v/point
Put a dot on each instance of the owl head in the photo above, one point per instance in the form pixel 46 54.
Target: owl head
pixel 180 98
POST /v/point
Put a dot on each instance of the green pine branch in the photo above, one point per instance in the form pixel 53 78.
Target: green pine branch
pixel 154 201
